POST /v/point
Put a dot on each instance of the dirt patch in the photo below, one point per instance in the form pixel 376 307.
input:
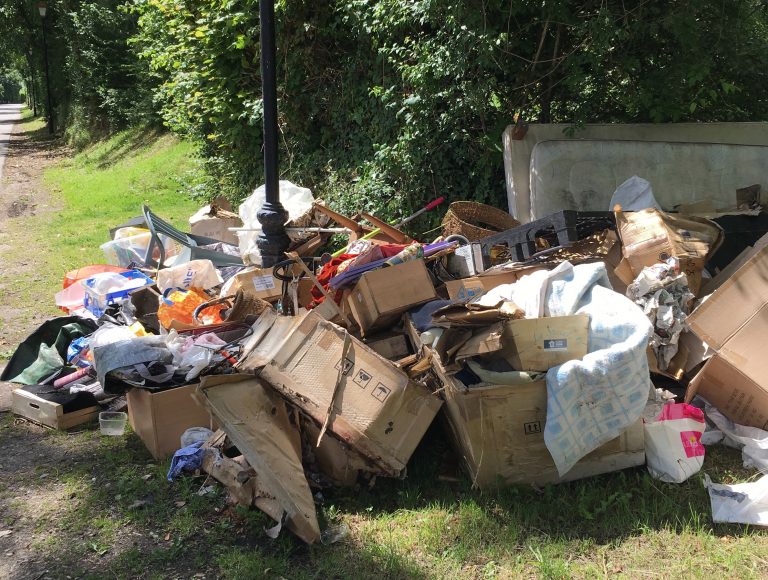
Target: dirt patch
pixel 22 196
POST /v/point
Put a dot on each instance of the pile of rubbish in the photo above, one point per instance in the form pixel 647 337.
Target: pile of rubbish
pixel 575 345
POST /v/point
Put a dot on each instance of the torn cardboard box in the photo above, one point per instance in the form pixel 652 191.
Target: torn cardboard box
pixel 259 423
pixel 498 431
pixel 375 408
pixel 734 322
pixel 651 236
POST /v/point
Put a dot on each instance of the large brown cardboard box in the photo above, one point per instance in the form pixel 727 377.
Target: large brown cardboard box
pixel 381 296
pixel 160 418
pixel 734 322
pixel 498 432
pixel 532 344
pixel 377 409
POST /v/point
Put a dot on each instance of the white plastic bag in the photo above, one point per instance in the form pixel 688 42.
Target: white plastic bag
pixel 742 503
pixel 673 448
pixel 296 200
pixel 633 195
pixel 752 441
pixel 198 273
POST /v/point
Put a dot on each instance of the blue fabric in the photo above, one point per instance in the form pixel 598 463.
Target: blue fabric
pixel 422 315
pixel 187 458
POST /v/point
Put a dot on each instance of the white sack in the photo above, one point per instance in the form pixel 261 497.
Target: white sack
pixel 673 448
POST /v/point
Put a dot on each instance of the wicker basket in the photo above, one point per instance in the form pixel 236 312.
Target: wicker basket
pixel 476 221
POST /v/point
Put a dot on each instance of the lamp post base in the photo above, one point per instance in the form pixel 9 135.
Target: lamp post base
pixel 273 241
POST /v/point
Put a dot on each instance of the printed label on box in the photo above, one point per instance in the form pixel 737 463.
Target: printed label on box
pixel 264 282
pixel 532 428
pixel 556 344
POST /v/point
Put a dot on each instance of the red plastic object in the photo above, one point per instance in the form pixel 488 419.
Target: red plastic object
pixel 88 271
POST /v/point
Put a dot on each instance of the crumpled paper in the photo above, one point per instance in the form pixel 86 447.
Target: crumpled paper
pixel 662 292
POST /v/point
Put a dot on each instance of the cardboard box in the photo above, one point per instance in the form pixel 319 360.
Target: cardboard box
pixel 376 409
pixel 651 236
pixel 160 418
pixel 468 288
pixel 734 322
pixel 498 432
pixel 532 344
pixel 381 296
pixel 258 282
pixel 206 223
pixel 391 345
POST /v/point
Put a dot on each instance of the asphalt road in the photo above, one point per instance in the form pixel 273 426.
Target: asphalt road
pixel 9 114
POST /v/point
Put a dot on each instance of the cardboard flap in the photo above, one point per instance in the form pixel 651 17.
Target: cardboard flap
pixel 733 304
pixel 269 333
pixel 257 421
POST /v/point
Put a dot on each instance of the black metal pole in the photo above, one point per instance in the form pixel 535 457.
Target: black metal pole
pixel 273 241
pixel 47 82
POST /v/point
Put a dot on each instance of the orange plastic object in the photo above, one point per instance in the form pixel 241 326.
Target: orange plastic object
pixel 86 272
pixel 182 305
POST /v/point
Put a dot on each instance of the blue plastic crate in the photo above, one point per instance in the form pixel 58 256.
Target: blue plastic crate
pixel 97 303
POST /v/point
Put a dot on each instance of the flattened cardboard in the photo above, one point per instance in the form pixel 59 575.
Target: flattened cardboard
pixel 160 418
pixel 734 322
pixel 498 431
pixel 378 411
pixel 269 332
pixel 381 296
pixel 257 421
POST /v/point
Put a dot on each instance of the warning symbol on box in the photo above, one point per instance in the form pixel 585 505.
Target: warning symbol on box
pixel 381 392
pixel 532 428
pixel 348 364
pixel 362 378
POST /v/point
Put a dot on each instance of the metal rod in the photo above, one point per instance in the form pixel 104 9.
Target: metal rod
pixel 310 229
pixel 273 241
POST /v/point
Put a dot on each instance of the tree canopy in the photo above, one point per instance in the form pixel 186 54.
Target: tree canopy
pixel 385 103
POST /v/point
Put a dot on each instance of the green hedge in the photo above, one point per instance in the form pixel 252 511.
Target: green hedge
pixel 386 104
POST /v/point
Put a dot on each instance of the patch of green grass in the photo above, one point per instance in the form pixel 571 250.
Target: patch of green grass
pixel 106 184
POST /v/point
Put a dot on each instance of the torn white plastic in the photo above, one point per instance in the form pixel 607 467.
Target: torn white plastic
pixel 742 503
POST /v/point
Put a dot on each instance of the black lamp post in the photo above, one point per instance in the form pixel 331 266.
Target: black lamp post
pixel 42 7
pixel 273 240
